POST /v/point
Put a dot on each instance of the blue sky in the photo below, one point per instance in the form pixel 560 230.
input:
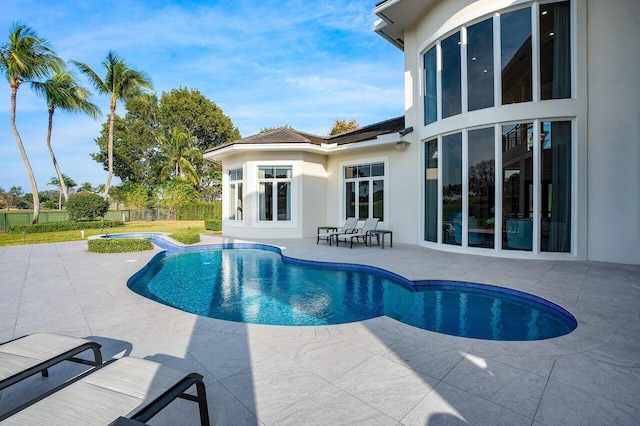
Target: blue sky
pixel 265 63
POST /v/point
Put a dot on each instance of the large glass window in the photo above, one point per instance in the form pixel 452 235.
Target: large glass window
pixel 555 51
pixel 555 188
pixel 235 194
pixel 430 99
pixel 431 191
pixel 480 65
pixel 515 43
pixel 482 187
pixel 364 191
pixel 451 76
pixel 452 189
pixel 517 186
pixel 274 193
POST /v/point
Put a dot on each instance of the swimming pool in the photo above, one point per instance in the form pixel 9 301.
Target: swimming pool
pixel 257 285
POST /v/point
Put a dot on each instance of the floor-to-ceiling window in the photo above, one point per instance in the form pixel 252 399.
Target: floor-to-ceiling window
pixel 451 163
pixel 481 187
pixel 555 186
pixel 431 191
pixel 517 186
pixel 503 183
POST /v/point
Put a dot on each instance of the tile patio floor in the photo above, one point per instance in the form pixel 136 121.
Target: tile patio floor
pixel 375 372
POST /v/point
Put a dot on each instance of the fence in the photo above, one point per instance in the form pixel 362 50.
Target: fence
pixel 197 212
pixel 12 218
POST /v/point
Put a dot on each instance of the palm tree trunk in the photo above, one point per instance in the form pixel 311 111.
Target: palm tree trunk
pixel 110 150
pixel 63 186
pixel 23 153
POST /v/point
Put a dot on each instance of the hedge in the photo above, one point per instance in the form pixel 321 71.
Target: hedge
pixel 64 226
pixel 186 237
pixel 119 245
pixel 213 225
pixel 199 211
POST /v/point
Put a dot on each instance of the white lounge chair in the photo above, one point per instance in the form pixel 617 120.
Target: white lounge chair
pixel 35 353
pixel 124 391
pixel 361 233
pixel 328 232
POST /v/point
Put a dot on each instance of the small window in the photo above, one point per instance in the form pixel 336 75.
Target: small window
pixel 235 194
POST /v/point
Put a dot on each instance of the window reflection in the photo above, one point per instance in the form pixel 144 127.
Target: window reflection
pixel 480 65
pixel 555 51
pixel 452 189
pixel 431 191
pixel 555 141
pixel 451 75
pixel 517 186
pixel 515 38
pixel 482 188
pixel 430 99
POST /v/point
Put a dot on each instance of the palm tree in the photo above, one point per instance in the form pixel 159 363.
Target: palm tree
pixel 24 58
pixel 61 91
pixel 86 187
pixel 179 150
pixel 66 182
pixel 121 83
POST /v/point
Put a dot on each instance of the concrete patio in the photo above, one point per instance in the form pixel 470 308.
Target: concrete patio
pixel 374 372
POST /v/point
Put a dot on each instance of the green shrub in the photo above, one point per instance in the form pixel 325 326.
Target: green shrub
pixel 213 225
pixel 64 226
pixel 199 211
pixel 87 206
pixel 186 237
pixel 119 245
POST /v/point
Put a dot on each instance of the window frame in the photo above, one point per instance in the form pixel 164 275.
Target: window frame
pixel 435 43
pixel 232 199
pixel 385 186
pixel 274 188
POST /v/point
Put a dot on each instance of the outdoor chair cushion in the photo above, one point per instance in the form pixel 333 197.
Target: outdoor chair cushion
pixel 126 387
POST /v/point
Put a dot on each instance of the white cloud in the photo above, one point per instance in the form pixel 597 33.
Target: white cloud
pixel 297 62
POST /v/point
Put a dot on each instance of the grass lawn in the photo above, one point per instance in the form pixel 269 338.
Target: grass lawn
pixel 169 226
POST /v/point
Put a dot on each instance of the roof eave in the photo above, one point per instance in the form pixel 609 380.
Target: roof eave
pixel 325 149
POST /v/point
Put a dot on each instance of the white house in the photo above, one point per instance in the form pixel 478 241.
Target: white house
pixel 520 138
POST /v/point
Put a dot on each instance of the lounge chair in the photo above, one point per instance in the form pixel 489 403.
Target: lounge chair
pixel 123 391
pixel 328 232
pixel 361 233
pixel 34 353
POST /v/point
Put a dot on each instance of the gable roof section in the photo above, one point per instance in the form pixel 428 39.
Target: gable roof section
pixel 284 137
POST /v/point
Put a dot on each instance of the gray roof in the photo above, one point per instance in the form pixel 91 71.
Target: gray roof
pixel 292 136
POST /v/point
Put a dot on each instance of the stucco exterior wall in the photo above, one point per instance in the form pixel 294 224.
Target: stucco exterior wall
pixel 614 130
pixel 308 192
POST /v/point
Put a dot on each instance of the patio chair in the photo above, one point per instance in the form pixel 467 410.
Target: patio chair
pixel 123 391
pixel 361 233
pixel 35 353
pixel 328 232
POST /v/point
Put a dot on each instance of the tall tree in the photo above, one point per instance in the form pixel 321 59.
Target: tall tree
pixel 121 83
pixel 66 182
pixel 179 150
pixel 341 126
pixel 24 58
pixel 63 92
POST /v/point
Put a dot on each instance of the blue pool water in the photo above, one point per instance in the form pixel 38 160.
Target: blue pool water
pixel 259 286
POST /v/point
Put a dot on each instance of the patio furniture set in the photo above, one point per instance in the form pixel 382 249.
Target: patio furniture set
pixel 350 233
